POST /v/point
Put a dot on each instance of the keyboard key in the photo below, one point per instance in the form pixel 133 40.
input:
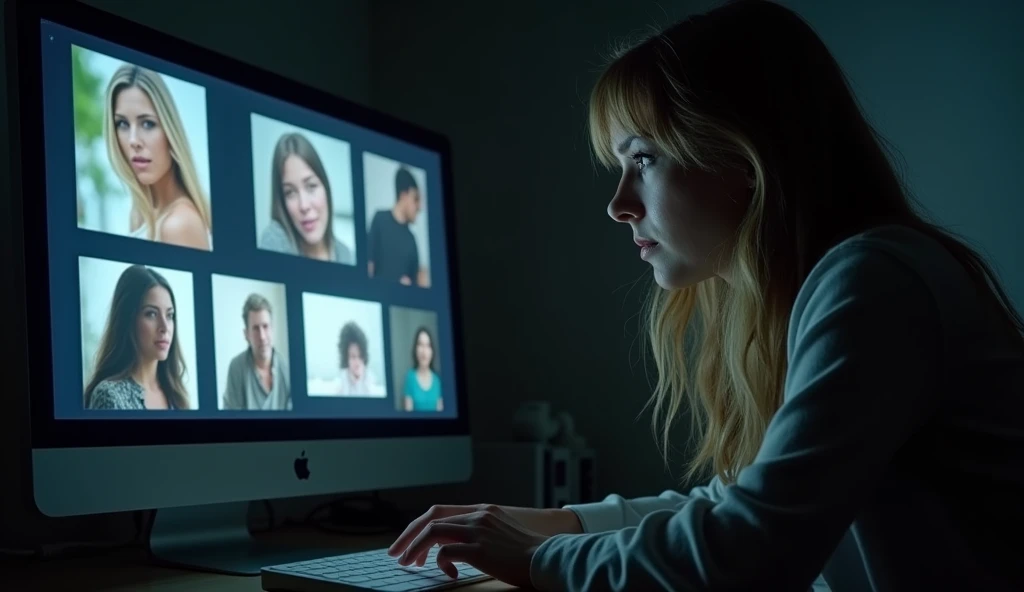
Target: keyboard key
pixel 403 587
pixel 432 573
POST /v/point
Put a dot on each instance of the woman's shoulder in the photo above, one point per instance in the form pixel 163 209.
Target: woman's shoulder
pixel 342 254
pixel 888 252
pixel 884 269
pixel 892 239
pixel 275 238
pixel 118 385
pixel 183 211
pixel 114 393
pixel 182 223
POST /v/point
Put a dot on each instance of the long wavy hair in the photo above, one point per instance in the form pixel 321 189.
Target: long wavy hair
pixel 117 357
pixel 184 168
pixel 749 84
pixel 295 144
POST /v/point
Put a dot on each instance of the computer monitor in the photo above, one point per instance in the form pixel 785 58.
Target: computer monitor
pixel 238 287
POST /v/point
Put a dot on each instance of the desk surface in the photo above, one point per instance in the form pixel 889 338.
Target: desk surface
pixel 131 570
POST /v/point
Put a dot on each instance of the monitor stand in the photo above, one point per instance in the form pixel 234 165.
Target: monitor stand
pixel 216 538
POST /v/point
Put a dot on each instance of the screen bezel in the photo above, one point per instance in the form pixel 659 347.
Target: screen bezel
pixel 26 95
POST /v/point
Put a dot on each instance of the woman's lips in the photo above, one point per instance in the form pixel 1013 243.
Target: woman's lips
pixel 647 247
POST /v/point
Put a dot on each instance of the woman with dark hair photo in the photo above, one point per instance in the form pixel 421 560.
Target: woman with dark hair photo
pixel 302 211
pixel 139 363
pixel 422 390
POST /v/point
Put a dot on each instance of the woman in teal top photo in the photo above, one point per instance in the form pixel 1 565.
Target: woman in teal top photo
pixel 422 384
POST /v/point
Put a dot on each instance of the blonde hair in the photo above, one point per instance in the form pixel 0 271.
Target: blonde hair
pixel 151 83
pixel 750 85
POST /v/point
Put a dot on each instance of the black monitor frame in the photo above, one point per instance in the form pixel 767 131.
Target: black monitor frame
pixel 24 41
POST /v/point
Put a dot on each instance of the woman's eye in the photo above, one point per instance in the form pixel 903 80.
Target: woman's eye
pixel 643 160
pixel 148 124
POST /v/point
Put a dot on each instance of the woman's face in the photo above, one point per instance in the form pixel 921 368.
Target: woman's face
pixel 684 221
pixel 141 137
pixel 305 198
pixel 356 365
pixel 424 350
pixel 154 327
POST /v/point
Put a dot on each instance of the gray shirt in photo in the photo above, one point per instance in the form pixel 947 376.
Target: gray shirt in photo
pixel 245 391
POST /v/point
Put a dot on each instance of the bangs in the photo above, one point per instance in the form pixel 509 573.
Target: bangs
pixel 641 94
pixel 623 99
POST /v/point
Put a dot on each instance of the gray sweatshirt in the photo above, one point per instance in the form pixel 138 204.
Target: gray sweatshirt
pixel 895 463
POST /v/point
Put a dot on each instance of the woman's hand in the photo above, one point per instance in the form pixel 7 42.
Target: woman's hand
pixel 497 540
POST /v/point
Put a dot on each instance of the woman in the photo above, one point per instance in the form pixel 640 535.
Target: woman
pixel 356 380
pixel 149 151
pixel 139 363
pixel 302 212
pixel 855 373
pixel 422 390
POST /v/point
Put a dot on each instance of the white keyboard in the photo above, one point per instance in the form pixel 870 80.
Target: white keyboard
pixel 368 570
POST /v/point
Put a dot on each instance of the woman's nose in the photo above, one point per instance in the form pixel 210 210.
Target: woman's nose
pixel 305 201
pixel 625 205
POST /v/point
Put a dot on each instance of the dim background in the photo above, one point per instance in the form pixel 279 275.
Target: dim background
pixel 549 283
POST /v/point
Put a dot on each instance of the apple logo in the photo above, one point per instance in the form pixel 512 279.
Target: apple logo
pixel 302 466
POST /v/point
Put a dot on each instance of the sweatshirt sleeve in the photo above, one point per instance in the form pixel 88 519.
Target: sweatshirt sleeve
pixel 615 511
pixel 864 343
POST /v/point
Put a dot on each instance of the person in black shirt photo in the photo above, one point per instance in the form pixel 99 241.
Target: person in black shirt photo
pixel 393 255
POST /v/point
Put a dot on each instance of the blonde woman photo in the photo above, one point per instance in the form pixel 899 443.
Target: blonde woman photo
pixel 137 172
pixel 149 151
pixel 854 371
